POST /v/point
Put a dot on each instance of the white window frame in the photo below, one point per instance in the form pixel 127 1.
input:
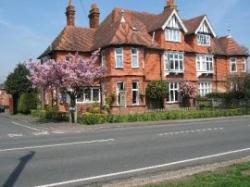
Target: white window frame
pixel 137 91
pixel 103 58
pixel 233 60
pixel 173 35
pixel 204 64
pixel 176 87
pixel 118 92
pixel 180 61
pixel 91 96
pixel 203 39
pixel 205 87
pixel 116 57
pixel 136 56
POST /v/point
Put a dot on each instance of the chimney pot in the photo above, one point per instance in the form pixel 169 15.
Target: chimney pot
pixel 94 16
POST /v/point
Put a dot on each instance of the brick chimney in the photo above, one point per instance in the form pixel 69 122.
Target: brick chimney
pixel 94 16
pixel 170 5
pixel 70 14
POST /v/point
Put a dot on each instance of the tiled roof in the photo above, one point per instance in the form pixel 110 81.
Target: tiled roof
pixel 135 30
pixel 72 39
pixel 231 47
pixel 193 24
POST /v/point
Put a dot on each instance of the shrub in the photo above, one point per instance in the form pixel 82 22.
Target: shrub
pixel 90 119
pixel 27 102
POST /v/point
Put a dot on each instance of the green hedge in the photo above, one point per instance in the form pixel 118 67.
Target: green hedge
pixel 27 102
pixel 90 119
pixel 50 114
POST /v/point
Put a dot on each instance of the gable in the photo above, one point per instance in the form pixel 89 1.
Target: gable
pixel 174 21
pixel 205 27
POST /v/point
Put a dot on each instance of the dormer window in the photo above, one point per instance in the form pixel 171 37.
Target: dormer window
pixel 203 39
pixel 173 35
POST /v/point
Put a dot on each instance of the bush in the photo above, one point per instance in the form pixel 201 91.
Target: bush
pixel 90 119
pixel 27 102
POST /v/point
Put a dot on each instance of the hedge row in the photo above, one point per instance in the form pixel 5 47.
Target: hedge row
pixel 91 119
pixel 50 115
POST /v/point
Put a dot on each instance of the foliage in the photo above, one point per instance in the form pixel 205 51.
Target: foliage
pixel 109 100
pixel 90 119
pixel 17 81
pixel 157 90
pixel 68 76
pixel 94 109
pixel 28 101
pixel 247 86
pixel 187 89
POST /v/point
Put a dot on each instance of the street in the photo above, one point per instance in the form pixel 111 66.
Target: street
pixel 30 157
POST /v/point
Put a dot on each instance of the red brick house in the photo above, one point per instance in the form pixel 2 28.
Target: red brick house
pixel 137 47
pixel 4 97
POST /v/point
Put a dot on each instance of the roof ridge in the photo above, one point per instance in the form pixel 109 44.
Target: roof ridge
pixel 135 11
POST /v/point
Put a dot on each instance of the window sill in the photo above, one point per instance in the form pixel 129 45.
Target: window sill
pixel 178 42
pixel 88 102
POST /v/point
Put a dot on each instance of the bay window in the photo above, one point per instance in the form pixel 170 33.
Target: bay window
pixel 233 65
pixel 89 95
pixel 173 92
pixel 135 93
pixel 205 88
pixel 244 65
pixel 120 93
pixel 174 62
pixel 205 64
pixel 134 58
pixel 119 57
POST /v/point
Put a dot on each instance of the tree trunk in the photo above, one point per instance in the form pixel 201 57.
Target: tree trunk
pixel 72 110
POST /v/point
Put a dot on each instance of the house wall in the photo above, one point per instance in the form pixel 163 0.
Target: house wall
pixel 4 98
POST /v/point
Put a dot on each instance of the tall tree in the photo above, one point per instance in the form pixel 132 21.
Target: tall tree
pixel 18 83
pixel 67 76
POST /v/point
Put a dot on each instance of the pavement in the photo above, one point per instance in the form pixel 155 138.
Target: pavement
pixel 81 156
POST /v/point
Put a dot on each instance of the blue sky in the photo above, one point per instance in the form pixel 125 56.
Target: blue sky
pixel 27 27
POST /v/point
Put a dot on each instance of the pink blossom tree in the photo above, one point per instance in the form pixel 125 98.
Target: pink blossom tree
pixel 187 91
pixel 67 76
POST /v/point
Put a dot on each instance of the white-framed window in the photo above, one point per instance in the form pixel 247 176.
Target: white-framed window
pixel 134 58
pixel 173 35
pixel 89 95
pixel 233 65
pixel 174 92
pixel 120 94
pixel 205 88
pixel 203 39
pixel 205 63
pixel 174 61
pixel 244 65
pixel 103 58
pixel 119 57
pixel 135 93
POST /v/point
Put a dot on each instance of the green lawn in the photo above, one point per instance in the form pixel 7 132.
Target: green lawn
pixel 229 177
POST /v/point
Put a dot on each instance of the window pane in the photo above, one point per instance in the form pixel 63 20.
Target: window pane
pixel 96 95
pixel 87 94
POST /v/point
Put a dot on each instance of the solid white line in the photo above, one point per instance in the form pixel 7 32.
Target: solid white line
pixel 56 145
pixel 41 133
pixel 14 135
pixel 144 169
pixel 20 125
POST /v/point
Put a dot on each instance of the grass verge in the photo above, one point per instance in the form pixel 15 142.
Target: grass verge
pixel 234 176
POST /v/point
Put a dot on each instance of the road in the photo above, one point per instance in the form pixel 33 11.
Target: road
pixel 106 154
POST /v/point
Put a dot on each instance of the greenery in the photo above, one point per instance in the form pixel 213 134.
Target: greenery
pixel 157 90
pixel 18 83
pixel 91 119
pixel 50 114
pixel 228 177
pixel 27 102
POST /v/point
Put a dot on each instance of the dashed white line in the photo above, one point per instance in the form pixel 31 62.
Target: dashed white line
pixel 58 132
pixel 57 145
pixel 15 135
pixel 81 180
pixel 25 126
pixel 190 131
pixel 41 133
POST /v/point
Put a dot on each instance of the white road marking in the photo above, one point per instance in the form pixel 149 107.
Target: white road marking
pixel 56 145
pixel 145 168
pixel 58 132
pixel 41 133
pixel 15 135
pixel 21 125
pixel 190 131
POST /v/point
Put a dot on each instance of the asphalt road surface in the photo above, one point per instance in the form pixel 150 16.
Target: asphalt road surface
pixel 107 154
